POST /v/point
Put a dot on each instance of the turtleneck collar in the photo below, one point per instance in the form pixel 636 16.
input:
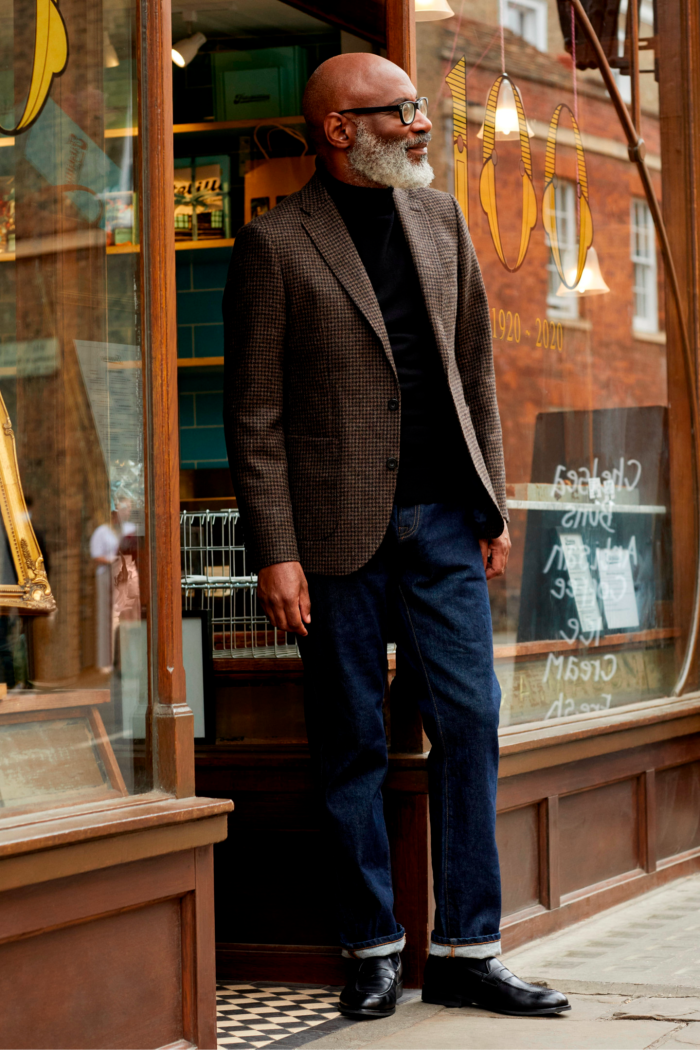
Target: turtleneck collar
pixel 366 199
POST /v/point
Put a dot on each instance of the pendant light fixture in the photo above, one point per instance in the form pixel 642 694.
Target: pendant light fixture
pixel 184 51
pixel 507 121
pixel 591 282
pixel 110 59
pixel 432 10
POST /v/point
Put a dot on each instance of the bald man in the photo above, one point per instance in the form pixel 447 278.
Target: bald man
pixel 365 448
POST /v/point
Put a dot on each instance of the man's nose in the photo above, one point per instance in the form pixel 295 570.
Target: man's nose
pixel 421 124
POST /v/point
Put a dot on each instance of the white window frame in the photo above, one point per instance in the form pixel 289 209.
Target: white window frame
pixel 538 9
pixel 644 261
pixel 624 83
pixel 565 209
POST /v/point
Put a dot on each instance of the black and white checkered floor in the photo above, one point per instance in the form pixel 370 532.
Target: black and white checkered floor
pixel 262 1014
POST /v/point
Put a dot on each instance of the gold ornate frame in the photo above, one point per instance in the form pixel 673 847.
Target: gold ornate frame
pixel 32 592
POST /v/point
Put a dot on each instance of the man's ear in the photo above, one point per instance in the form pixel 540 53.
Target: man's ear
pixel 340 132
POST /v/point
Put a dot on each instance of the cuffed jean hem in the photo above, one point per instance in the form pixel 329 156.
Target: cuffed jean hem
pixel 387 948
pixel 480 950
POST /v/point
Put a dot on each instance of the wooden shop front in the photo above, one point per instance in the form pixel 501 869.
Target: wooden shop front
pixel 125 172
pixel 106 855
pixel 595 625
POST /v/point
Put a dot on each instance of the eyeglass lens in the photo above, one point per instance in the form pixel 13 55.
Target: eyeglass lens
pixel 408 110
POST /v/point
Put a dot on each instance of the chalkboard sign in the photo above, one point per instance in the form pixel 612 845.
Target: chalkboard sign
pixel 595 624
pixel 597 552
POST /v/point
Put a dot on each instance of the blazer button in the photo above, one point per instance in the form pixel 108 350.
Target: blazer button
pixel 393 404
pixel 392 464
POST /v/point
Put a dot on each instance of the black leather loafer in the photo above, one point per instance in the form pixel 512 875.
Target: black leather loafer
pixel 377 984
pixel 489 984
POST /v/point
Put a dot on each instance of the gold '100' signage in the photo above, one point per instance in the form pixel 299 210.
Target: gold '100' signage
pixel 50 57
pixel 456 79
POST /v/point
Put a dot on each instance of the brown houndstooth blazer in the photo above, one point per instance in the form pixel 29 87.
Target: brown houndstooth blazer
pixel 309 372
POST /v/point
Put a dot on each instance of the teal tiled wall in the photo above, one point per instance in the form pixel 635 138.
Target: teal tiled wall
pixel 202 441
pixel 201 276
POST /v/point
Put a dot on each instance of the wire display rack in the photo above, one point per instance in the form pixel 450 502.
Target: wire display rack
pixel 216 579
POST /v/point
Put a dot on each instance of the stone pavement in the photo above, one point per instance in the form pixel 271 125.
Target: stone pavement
pixel 632 975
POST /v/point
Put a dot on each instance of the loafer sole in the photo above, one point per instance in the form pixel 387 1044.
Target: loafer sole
pixel 440 1000
pixel 365 1015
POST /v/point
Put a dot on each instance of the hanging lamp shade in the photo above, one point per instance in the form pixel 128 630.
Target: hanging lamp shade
pixel 184 51
pixel 110 56
pixel 432 10
pixel 591 283
pixel 507 126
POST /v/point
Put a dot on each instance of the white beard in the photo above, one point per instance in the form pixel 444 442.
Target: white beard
pixel 385 160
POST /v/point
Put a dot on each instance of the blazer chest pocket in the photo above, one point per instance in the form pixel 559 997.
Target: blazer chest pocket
pixel 313 465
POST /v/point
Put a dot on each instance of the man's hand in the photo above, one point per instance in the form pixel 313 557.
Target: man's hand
pixel 284 595
pixel 495 554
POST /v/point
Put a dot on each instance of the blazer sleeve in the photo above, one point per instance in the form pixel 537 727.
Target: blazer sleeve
pixel 254 309
pixel 474 353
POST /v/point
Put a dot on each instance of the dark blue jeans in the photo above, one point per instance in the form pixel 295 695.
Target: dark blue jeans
pixel 425 589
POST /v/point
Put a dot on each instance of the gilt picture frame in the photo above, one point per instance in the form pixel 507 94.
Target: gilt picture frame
pixel 32 592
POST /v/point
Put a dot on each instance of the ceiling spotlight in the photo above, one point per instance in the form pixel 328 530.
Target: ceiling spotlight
pixel 110 56
pixel 185 50
pixel 432 10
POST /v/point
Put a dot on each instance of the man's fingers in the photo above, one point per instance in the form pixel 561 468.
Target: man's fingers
pixel 292 616
pixel 305 602
pixel 284 596
pixel 484 544
pixel 272 611
pixel 498 559
pixel 495 568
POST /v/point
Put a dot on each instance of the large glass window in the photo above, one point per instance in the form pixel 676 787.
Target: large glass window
pixel 590 615
pixel 73 665
pixel 562 305
pixel 528 19
pixel 643 247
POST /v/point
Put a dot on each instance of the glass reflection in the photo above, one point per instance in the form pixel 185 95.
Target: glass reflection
pixel 71 378
pixel 588 616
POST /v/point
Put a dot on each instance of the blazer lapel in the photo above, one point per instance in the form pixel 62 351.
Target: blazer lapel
pixel 416 228
pixel 329 233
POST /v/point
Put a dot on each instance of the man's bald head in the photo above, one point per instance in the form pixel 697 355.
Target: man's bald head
pixel 358 79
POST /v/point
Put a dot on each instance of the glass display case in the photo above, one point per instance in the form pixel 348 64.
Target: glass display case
pixel 74 669
pixel 105 854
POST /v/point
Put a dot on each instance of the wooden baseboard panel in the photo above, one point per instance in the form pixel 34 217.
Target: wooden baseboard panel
pixel 298 963
pixel 521 928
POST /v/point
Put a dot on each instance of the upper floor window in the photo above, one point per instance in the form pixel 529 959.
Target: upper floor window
pixel 643 254
pixel 565 209
pixel 527 18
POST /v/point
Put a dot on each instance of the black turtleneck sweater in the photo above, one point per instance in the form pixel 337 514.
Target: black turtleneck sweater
pixel 434 463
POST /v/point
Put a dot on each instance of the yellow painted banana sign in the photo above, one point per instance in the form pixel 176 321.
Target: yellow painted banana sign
pixel 456 79
pixel 549 217
pixel 487 182
pixel 50 57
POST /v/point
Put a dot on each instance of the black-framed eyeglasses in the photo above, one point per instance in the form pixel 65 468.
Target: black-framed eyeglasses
pixel 406 110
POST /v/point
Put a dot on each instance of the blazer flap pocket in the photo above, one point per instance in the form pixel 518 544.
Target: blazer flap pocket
pixel 312 455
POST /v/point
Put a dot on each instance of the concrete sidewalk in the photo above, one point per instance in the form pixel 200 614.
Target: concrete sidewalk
pixel 632 976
